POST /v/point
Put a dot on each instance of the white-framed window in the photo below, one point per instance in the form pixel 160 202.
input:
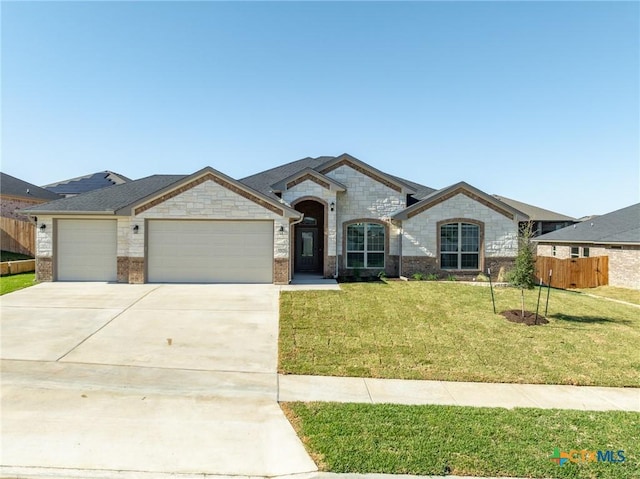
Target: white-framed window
pixel 575 252
pixel 365 245
pixel 585 252
pixel 459 246
pixel 554 252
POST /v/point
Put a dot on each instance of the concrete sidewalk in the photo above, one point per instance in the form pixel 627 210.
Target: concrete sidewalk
pixel 378 391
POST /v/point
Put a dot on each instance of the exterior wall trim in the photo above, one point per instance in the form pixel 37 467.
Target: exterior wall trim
pixel 325 233
pixel 451 194
pixel 481 252
pixel 208 177
pixel 364 171
pixel 366 220
pixel 308 177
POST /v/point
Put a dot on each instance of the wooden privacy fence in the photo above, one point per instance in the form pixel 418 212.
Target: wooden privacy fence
pixel 18 236
pixel 573 272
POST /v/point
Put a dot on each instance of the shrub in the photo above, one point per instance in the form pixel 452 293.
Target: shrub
pixel 418 276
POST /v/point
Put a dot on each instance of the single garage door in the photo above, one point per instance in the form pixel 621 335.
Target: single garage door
pixel 210 251
pixel 87 250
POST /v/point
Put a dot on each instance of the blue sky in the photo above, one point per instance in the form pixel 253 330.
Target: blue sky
pixel 537 101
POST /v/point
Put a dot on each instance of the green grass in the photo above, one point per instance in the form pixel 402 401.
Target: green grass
pixel 9 256
pixel 439 440
pixel 9 284
pixel 447 331
pixel 621 294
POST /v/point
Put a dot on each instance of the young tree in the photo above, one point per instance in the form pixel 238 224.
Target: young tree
pixel 523 274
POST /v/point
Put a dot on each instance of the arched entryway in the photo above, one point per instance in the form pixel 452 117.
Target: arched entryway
pixel 309 238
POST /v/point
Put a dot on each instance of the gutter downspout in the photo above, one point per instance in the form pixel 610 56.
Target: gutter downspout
pixel 401 232
pixel 293 223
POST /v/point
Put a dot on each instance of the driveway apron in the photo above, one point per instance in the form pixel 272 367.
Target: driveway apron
pixel 166 379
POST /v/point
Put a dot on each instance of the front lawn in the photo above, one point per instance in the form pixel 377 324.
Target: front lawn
pixel 9 284
pixel 442 440
pixel 621 294
pixel 447 331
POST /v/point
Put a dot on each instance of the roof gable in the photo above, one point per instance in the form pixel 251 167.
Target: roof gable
pixel 465 189
pixel 199 177
pixel 345 159
pixel 12 186
pixel 620 226
pixel 308 174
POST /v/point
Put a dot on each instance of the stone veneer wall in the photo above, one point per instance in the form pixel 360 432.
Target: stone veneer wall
pixel 420 235
pixel 44 249
pixel 366 198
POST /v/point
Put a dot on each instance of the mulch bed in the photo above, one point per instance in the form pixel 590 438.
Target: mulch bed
pixel 515 316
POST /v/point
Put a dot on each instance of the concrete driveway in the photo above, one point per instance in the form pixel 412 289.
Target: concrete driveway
pixel 143 379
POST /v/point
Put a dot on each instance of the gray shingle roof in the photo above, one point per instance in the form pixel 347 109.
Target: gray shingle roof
pixel 108 200
pixel 618 227
pixel 421 190
pixel 82 184
pixel 533 212
pixel 10 185
pixel 262 181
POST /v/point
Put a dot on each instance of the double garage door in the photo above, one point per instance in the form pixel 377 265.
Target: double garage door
pixel 177 251
pixel 210 251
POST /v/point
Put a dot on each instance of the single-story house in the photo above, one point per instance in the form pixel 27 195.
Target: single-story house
pixel 616 235
pixel 328 216
pixel 83 184
pixel 17 232
pixel 16 194
pixel 542 220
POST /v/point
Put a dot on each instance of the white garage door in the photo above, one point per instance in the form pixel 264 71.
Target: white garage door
pixel 210 251
pixel 87 250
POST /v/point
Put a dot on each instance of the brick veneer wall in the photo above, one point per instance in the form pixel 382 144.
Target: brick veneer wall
pixel 624 267
pixel 44 268
pixel 281 270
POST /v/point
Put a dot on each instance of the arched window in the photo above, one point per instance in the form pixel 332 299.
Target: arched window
pixel 365 245
pixel 459 246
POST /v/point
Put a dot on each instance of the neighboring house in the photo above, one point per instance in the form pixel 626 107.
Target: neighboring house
pixel 17 234
pixel 544 221
pixel 616 235
pixel 16 194
pixel 86 183
pixel 328 216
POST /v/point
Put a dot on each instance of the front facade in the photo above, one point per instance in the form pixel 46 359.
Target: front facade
pixel 329 216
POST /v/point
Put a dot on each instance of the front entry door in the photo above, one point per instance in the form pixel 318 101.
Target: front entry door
pixel 307 250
